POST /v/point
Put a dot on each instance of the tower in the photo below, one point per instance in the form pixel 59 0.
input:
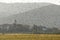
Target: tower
pixel 15 22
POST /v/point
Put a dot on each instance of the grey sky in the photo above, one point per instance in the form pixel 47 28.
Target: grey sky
pixel 30 1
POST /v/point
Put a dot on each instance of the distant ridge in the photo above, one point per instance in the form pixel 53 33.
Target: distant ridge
pixel 7 9
pixel 47 16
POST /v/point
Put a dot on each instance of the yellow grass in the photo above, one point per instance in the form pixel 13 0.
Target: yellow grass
pixel 29 37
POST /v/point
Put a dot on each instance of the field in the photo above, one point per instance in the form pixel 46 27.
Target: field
pixel 29 37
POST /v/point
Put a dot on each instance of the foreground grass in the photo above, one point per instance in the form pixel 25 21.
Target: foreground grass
pixel 29 37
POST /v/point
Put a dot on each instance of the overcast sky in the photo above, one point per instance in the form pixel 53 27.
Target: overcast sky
pixel 27 1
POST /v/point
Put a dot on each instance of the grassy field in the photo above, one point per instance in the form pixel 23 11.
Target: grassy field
pixel 29 37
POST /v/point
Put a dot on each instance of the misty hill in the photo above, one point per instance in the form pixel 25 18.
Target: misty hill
pixel 15 8
pixel 47 16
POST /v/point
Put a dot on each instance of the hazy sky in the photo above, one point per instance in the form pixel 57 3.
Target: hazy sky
pixel 25 1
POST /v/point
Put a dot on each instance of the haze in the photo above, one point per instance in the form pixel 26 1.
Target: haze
pixel 30 1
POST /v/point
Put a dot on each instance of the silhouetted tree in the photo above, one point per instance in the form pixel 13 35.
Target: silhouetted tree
pixel 34 29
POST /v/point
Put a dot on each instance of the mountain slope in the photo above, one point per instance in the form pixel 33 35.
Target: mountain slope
pixel 15 8
pixel 46 16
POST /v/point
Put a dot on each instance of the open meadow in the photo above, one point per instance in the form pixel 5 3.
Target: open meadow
pixel 29 37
